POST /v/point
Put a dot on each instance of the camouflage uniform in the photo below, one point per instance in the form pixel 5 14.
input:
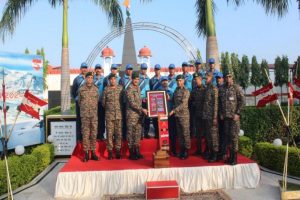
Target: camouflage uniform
pixel 125 82
pixel 210 113
pixel 112 103
pixel 134 116
pixel 88 103
pixel 197 100
pixel 232 101
pixel 182 116
pixel 222 142
pixel 99 82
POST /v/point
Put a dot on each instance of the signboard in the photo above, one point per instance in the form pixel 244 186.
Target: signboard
pixel 63 131
pixel 18 70
pixel 157 103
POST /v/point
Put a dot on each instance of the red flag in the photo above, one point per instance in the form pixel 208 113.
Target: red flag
pixel 267 99
pixel 263 89
pixel 31 105
pixel 296 94
pixel 297 81
pixel 290 93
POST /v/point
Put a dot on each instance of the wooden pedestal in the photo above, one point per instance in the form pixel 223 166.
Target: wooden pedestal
pixel 161 159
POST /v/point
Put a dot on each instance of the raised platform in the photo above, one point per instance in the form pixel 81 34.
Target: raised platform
pixel 96 178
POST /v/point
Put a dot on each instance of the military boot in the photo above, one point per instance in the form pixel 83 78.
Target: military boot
pixel 233 161
pixel 184 154
pixel 138 154
pixel 86 156
pixel 110 155
pixel 206 154
pixel 118 154
pixel 94 157
pixel 132 155
pixel 213 157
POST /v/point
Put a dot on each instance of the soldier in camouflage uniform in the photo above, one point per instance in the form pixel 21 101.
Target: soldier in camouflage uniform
pixel 134 117
pixel 232 101
pixel 210 118
pixel 182 116
pixel 88 98
pixel 196 102
pixel 112 103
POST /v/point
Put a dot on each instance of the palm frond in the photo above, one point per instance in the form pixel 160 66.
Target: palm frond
pixel 236 2
pixel 275 7
pixel 113 11
pixel 201 16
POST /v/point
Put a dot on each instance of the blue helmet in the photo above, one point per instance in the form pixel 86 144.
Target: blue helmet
pixel 114 66
pixel 83 65
pixel 129 66
pixel 157 67
pixel 171 66
pixel 144 66
pixel 211 61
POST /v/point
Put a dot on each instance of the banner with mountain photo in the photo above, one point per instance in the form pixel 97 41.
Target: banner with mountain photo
pixel 21 72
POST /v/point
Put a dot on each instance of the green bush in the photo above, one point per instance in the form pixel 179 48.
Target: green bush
pixel 245 146
pixel 56 111
pixel 272 157
pixel 23 169
pixel 266 124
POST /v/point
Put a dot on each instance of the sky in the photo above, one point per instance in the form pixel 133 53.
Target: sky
pixel 245 30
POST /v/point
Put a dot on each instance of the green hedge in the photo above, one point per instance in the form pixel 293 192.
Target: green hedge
pixel 266 124
pixel 245 146
pixel 24 168
pixel 272 157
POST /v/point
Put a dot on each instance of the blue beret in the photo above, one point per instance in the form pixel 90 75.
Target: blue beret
pixel 198 62
pixel 144 66
pixel 83 65
pixel 171 66
pixel 114 66
pixel 98 66
pixel 219 75
pixel 157 66
pixel 129 66
pixel 184 64
pixel 164 78
pixel 211 61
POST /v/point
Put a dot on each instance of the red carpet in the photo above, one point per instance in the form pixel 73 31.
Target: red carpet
pixel 148 146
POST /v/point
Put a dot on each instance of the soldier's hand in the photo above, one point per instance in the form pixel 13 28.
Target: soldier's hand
pixel 236 117
pixel 215 122
pixel 145 111
pixel 171 113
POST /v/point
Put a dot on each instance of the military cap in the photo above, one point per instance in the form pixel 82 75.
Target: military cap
pixel 195 75
pixel 219 75
pixel 112 76
pixel 129 66
pixel 164 78
pixel 98 66
pixel 198 62
pixel 135 75
pixel 114 66
pixel 211 61
pixel 89 74
pixel 144 66
pixel 180 76
pixel 83 65
pixel 184 64
pixel 157 67
pixel 171 66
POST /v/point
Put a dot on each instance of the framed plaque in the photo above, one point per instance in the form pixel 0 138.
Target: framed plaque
pixel 157 103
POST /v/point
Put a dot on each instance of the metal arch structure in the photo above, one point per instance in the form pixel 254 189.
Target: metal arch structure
pixel 190 50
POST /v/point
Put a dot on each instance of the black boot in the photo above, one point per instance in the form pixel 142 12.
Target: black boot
pixel 110 155
pixel 233 160
pixel 206 154
pixel 198 152
pixel 118 154
pixel 138 154
pixel 132 155
pixel 94 157
pixel 184 154
pixel 213 157
pixel 86 156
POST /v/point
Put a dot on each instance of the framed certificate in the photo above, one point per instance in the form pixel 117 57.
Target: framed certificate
pixel 157 103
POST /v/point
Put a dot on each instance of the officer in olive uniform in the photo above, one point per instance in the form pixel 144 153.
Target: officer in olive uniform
pixel 99 82
pixel 182 116
pixel 210 117
pixel 134 117
pixel 77 83
pixel 112 103
pixel 125 82
pixel 88 98
pixel 232 102
pixel 196 101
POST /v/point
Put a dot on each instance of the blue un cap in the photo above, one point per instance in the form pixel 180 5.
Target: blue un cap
pixel 171 66
pixel 157 67
pixel 164 78
pixel 114 66
pixel 83 65
pixel 98 66
pixel 198 62
pixel 184 64
pixel 129 66
pixel 144 66
pixel 219 75
pixel 211 61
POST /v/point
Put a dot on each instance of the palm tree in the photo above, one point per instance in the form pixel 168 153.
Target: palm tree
pixel 14 10
pixel 205 25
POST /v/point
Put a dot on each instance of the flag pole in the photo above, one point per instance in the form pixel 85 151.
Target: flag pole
pixel 19 111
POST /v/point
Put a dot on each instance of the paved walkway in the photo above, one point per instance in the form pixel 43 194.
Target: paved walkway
pixel 267 189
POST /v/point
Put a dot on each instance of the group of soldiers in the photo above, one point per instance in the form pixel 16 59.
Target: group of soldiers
pixel 200 105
